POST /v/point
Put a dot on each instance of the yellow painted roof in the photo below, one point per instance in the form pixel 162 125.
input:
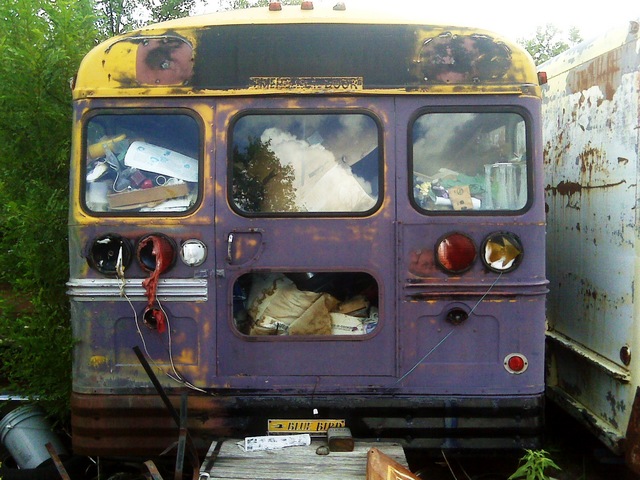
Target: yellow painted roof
pixel 274 51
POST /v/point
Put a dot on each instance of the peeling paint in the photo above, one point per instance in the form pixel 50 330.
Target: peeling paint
pixel 591 109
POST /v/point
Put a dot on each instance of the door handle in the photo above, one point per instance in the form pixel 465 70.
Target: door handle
pixel 229 247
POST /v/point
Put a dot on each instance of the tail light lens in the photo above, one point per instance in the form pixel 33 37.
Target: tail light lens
pixel 502 252
pixel 455 253
pixel 156 253
pixel 516 363
pixel 193 253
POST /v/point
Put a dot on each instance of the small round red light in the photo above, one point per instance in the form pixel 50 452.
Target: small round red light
pixel 515 363
pixel 456 253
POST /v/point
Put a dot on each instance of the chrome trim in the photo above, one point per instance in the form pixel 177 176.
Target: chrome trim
pixel 108 289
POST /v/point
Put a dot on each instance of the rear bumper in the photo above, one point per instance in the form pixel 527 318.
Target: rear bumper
pixel 140 425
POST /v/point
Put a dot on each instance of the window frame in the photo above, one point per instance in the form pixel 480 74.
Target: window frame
pixel 319 111
pixel 529 159
pixel 132 111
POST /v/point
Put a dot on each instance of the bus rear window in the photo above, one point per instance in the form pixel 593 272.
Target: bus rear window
pixel 305 303
pixel 141 163
pixel 464 162
pixel 298 163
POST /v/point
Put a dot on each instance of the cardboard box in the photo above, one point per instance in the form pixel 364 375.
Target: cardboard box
pixel 140 198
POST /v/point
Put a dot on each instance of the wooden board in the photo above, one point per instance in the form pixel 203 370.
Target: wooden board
pixel 383 467
pixel 297 463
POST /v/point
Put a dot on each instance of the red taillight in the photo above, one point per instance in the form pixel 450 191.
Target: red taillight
pixel 542 78
pixel 455 253
pixel 275 6
pixel 156 253
pixel 516 363
pixel 306 5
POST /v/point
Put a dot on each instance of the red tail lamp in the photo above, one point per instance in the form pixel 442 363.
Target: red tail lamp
pixel 154 319
pixel 516 363
pixel 455 253
pixel 156 253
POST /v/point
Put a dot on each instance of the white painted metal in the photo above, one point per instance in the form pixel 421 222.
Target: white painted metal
pixel 591 111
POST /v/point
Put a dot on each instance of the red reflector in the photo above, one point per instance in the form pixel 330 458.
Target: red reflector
pixel 275 6
pixel 455 253
pixel 515 363
pixel 307 5
pixel 542 78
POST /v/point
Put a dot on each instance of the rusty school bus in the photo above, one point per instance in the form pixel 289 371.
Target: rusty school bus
pixel 311 215
pixel 591 111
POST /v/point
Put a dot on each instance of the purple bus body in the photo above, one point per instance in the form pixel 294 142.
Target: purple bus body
pixel 446 355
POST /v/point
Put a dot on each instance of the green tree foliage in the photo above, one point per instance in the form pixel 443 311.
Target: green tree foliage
pixel 548 42
pixel 119 16
pixel 162 10
pixel 41 44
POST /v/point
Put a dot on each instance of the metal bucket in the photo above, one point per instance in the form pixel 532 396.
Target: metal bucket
pixel 25 432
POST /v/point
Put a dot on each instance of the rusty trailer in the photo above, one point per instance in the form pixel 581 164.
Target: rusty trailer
pixel 591 114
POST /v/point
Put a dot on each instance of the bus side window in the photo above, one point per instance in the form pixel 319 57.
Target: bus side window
pixel 470 161
pixel 141 163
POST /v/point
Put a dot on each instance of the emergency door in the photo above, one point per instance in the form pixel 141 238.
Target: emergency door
pixel 305 239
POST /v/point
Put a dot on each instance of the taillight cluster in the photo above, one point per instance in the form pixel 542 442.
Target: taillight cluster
pixel 500 252
pixel 111 253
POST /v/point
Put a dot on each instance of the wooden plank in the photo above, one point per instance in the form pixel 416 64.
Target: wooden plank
pixel 298 463
pixel 382 467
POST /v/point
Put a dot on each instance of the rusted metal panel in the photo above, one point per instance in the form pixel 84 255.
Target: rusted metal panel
pixel 140 424
pixel 193 57
pixel 591 111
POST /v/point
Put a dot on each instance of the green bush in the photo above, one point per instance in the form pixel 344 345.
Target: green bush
pixel 41 44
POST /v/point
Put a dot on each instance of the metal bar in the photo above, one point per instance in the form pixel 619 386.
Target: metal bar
pixel 594 358
pixel 195 462
pixel 57 462
pixel 156 384
pixel 153 470
pixel 210 459
pixel 182 437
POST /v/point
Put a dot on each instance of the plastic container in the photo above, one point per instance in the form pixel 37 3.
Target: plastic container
pixel 25 433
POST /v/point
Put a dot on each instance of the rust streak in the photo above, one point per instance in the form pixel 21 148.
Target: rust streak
pixel 569 188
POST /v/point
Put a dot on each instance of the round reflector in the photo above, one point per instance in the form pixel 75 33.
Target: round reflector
pixel 455 253
pixel 502 252
pixel 515 363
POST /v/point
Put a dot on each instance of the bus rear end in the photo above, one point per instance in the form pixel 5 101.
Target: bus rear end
pixel 305 219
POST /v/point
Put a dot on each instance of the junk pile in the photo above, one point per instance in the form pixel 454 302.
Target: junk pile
pixel 136 175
